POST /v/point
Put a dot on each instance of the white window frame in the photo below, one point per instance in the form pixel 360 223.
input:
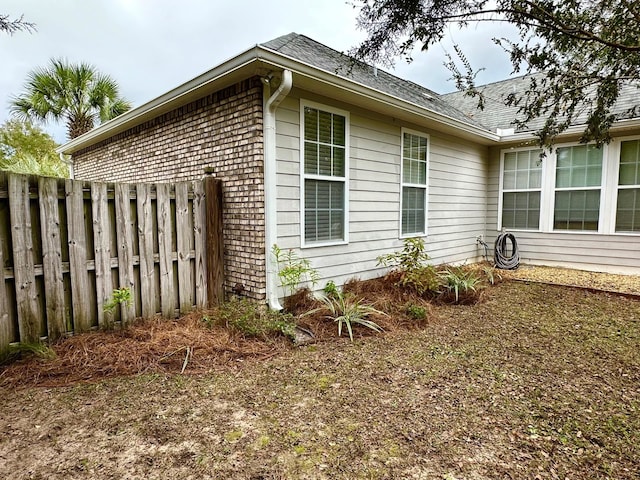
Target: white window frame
pixel 552 191
pixel 614 172
pixel 502 191
pixel 425 187
pixel 608 190
pixel 305 176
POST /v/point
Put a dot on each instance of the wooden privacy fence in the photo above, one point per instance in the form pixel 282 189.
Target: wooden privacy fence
pixel 67 245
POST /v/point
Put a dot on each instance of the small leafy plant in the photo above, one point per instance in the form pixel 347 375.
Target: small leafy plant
pixel 347 310
pixel 253 320
pixel 412 263
pixel 35 349
pixel 120 296
pixel 412 257
pixel 293 270
pixel 331 290
pixel 417 312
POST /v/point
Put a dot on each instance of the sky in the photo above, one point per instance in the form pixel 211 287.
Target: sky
pixel 152 46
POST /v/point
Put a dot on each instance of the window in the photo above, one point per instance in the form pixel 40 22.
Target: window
pixel 628 205
pixel 324 175
pixel 415 149
pixel 521 189
pixel 578 184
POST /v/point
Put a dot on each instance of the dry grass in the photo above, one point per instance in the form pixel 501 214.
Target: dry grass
pixel 534 381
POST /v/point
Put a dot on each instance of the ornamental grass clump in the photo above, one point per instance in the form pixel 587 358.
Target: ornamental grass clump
pixel 458 281
pixel 347 310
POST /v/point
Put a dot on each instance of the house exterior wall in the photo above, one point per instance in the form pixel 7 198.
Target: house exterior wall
pixel 222 130
pixel 456 193
pixel 614 253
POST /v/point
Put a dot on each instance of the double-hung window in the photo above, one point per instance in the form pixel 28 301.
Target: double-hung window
pixel 521 189
pixel 628 202
pixel 324 174
pixel 415 154
pixel 578 184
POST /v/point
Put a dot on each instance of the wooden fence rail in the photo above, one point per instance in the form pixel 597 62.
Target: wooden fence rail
pixel 67 245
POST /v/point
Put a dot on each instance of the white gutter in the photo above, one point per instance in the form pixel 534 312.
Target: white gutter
pixel 354 87
pixel 270 104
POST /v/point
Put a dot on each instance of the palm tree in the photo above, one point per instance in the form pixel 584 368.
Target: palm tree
pixel 77 94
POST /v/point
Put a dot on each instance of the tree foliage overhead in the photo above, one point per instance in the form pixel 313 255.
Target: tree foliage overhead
pixel 76 94
pixel 25 148
pixel 7 25
pixel 588 50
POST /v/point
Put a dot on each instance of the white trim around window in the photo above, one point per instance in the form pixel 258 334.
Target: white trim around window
pixel 603 200
pixel 414 183
pixel 324 175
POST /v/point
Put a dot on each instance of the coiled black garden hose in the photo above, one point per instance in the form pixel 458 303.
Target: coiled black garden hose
pixel 501 258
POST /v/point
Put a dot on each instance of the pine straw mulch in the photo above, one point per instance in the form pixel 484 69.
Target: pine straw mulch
pixel 191 346
pixel 150 345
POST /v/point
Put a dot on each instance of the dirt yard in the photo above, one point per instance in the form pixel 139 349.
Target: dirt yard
pixel 534 381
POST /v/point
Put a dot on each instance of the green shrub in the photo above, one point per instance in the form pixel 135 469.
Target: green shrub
pixel 253 320
pixel 417 312
pixel 120 296
pixel 293 270
pixel 331 290
pixel 412 264
pixel 412 257
pixel 422 280
pixel 347 310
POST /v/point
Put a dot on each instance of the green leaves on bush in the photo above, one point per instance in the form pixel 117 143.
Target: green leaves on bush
pixel 411 258
pixel 293 270
pixel 252 319
pixel 417 312
pixel 443 282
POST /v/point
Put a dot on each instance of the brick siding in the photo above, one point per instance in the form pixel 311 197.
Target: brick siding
pixel 222 130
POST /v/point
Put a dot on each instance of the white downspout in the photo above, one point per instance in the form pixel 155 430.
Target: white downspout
pixel 270 104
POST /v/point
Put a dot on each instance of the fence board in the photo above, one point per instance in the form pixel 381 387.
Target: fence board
pixel 5 322
pixel 145 238
pixel 38 292
pixel 78 256
pixel 52 257
pixel 167 290
pixel 125 247
pixel 102 251
pixel 199 230
pixel 23 262
pixel 214 225
pixel 184 232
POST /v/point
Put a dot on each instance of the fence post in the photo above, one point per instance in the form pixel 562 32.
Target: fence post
pixel 214 238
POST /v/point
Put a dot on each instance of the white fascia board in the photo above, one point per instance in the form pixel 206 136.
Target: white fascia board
pixel 259 54
pixel 363 90
pixel 572 131
pixel 161 104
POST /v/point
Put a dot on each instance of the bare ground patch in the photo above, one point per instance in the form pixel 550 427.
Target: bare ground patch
pixel 534 381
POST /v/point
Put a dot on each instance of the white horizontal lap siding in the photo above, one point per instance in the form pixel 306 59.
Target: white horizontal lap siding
pixel 457 199
pixel 586 251
pixel 288 173
pixel 374 195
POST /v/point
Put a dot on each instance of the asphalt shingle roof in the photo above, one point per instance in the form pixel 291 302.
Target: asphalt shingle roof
pixel 307 50
pixel 497 115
